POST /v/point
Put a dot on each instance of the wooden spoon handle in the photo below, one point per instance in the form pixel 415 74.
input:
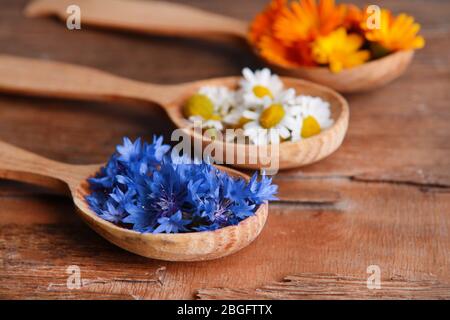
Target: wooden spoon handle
pixel 21 165
pixel 55 79
pixel 16 162
pixel 152 17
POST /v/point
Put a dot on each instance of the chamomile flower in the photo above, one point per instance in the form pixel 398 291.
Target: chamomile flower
pixel 222 98
pixel 314 116
pixel 260 111
pixel 258 85
pixel 237 118
pixel 209 105
pixel 273 122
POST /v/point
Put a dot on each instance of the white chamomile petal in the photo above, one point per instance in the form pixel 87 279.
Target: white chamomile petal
pixel 233 116
pixel 290 122
pixel 317 108
pixel 284 132
pixel 206 124
pixel 222 98
pixel 252 115
pixel 314 117
pixel 296 134
pixel 285 97
pixel 252 125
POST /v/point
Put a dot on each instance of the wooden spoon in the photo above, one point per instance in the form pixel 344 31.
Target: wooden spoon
pixel 54 79
pixel 179 20
pixel 18 164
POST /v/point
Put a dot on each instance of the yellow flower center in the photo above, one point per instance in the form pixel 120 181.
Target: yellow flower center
pixel 310 127
pixel 272 116
pixel 199 105
pixel 261 92
pixel 215 117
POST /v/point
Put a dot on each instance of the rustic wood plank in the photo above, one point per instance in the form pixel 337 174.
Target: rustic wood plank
pixel 330 286
pixel 306 191
pixel 402 229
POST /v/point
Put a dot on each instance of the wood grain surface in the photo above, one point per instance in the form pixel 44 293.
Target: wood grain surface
pixel 382 199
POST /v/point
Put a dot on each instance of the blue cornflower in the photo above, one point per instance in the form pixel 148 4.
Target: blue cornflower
pixel 241 211
pixel 229 203
pixel 140 218
pixel 235 189
pixel 129 151
pixel 162 196
pixel 259 192
pixel 173 224
pixel 155 152
pixel 96 201
pixel 141 187
pixel 105 178
pixel 113 213
pixel 167 190
pixel 122 198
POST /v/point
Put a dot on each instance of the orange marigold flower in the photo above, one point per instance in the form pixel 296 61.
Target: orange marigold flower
pixel 310 32
pixel 353 17
pixel 293 56
pixel 305 20
pixel 275 52
pixel 302 53
pixel 395 33
pixel 340 50
pixel 262 24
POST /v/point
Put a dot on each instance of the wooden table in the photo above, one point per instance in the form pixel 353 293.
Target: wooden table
pixel 382 199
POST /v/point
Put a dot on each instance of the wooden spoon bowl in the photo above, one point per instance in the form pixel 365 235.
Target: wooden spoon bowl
pixel 18 164
pixel 156 17
pixel 53 79
pixel 368 76
pixel 289 154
